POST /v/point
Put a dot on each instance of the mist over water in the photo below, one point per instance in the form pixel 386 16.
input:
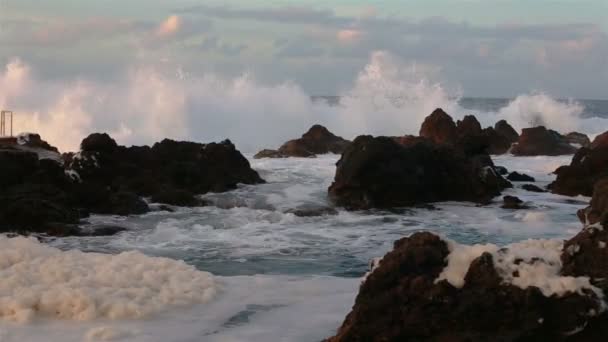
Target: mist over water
pixel 387 97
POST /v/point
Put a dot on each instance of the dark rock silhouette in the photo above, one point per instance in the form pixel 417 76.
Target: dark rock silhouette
pixel 519 177
pixel 539 141
pixel 318 140
pixel 403 299
pixel 578 139
pixel 41 195
pixel 381 173
pixel 587 167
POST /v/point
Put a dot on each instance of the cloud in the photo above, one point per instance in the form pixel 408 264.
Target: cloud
pixel 169 26
pixel 349 35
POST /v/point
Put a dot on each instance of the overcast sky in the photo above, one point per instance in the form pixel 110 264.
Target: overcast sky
pixel 488 47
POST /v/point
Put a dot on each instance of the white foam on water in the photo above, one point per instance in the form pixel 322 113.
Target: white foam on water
pixel 249 309
pixel 40 282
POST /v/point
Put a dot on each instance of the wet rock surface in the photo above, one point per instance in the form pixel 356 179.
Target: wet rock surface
pixel 540 141
pixel 381 173
pixel 587 167
pixel 318 140
pixel 41 195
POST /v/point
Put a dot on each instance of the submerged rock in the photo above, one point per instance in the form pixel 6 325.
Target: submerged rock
pixel 381 173
pixel 520 177
pixel 318 140
pixel 539 141
pixel 513 203
pixel 429 290
pixel 532 188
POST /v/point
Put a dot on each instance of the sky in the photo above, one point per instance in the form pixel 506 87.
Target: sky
pixel 491 48
pixel 206 70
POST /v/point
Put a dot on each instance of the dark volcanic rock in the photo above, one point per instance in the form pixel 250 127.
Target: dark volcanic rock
pixel 539 141
pixel 170 171
pixel 600 141
pixel 520 177
pixel 318 140
pixel 35 141
pixel 597 212
pixel 578 139
pixel 50 196
pixel 586 168
pixel 312 211
pixel 501 137
pixel 440 128
pixel 402 300
pixel 532 188
pixel 503 128
pixel 512 202
pixel 467 134
pixel 501 170
pixel 380 173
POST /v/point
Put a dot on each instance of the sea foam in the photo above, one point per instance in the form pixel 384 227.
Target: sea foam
pixel 39 281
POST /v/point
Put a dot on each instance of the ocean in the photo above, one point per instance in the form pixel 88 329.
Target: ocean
pixel 243 269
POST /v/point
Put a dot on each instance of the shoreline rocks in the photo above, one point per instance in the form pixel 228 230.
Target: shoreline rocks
pixel 540 141
pixel 429 289
pixel 42 195
pixel 317 140
pixel 381 173
pixel 587 167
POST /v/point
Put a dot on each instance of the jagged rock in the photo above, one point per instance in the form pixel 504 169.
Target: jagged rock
pixel 164 171
pixel 34 140
pixel 580 139
pixel 520 177
pixel 440 128
pixel 501 170
pixel 503 128
pixel 539 141
pixel 380 173
pixel 406 299
pixel 532 188
pixel 318 140
pixel 514 203
pixel 51 196
pixel 587 167
pixel 597 211
pixel 600 141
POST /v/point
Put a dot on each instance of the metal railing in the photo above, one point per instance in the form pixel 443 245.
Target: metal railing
pixel 6 123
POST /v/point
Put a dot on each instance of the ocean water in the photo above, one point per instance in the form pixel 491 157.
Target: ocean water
pixel 276 277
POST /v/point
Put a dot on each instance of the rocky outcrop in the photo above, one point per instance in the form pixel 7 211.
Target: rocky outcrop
pixel 381 173
pixel 318 140
pixel 427 289
pixel 34 140
pixel 580 139
pixel 540 141
pixel 597 211
pixel 513 203
pixel 587 167
pixel 600 140
pixel 467 134
pixel 52 196
pixel 503 128
pixel 519 177
pixel 440 128
pixel 532 188
pixel 170 172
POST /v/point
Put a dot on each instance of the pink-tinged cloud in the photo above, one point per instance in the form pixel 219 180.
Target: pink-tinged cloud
pixel 349 35
pixel 169 26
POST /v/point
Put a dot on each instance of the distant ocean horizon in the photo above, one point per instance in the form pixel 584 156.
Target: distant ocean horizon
pixel 592 108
